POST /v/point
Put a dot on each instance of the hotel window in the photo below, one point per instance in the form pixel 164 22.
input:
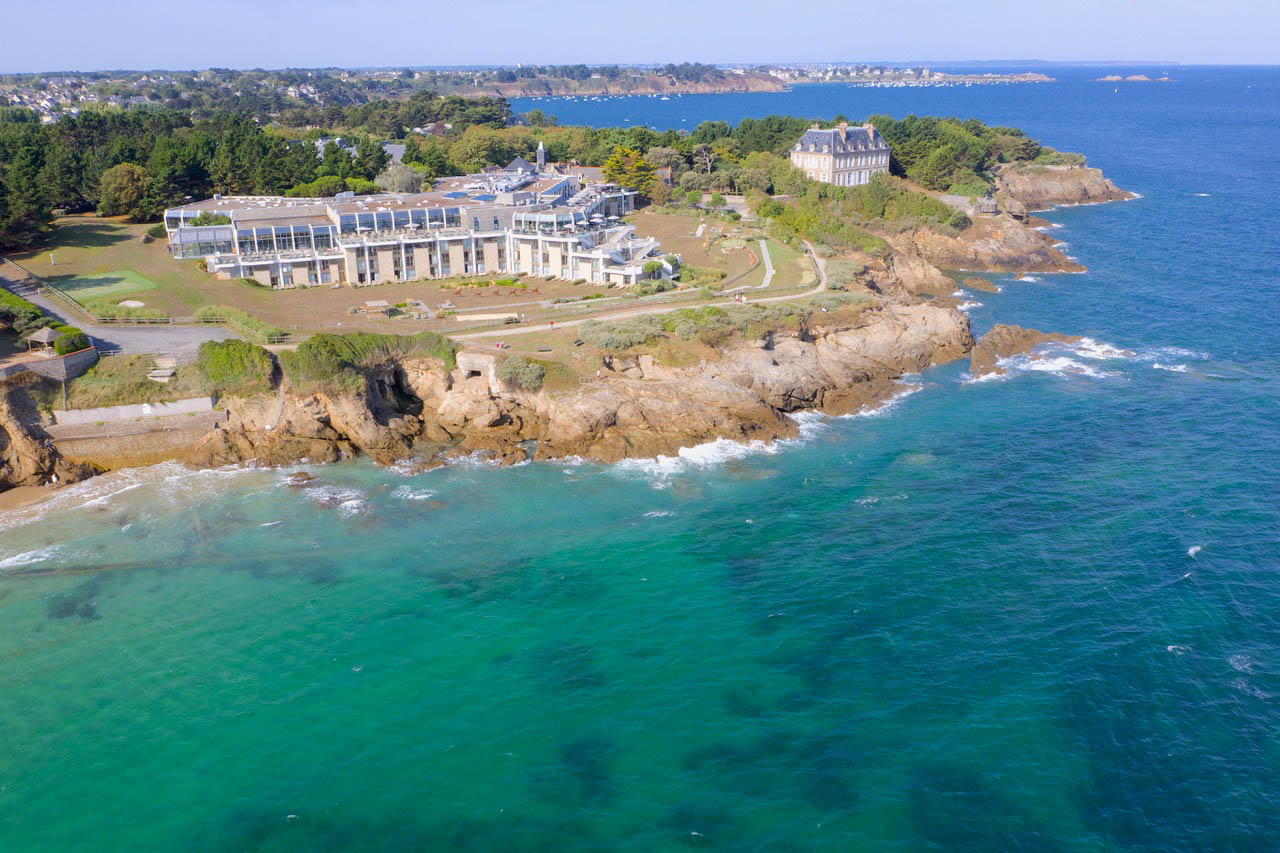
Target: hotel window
pixel 324 274
pixel 301 237
pixel 453 217
pixel 323 238
pixel 347 223
pixel 265 243
pixel 382 221
pixel 364 221
pixel 244 239
pixel 284 239
pixel 418 217
pixel 401 218
pixel 496 225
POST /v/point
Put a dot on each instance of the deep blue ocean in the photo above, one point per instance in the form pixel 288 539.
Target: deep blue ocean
pixel 1034 613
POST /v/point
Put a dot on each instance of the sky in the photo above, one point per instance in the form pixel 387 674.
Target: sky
pixel 87 35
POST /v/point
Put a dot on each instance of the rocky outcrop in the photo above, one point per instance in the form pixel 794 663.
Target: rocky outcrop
pixel 638 408
pixel 1005 341
pixel 27 458
pixel 1038 187
pixel 990 244
pixel 975 283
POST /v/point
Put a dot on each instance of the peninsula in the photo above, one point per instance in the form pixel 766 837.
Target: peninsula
pixel 772 293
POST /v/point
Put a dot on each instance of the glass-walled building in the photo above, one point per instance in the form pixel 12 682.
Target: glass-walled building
pixel 506 222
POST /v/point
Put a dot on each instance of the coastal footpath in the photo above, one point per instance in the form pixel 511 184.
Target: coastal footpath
pixel 649 397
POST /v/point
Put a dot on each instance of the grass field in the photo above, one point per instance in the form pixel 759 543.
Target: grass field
pixel 105 258
pixel 113 284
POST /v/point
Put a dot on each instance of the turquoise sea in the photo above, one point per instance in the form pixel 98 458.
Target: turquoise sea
pixel 1037 613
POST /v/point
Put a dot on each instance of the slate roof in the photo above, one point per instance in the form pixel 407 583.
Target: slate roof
pixel 842 139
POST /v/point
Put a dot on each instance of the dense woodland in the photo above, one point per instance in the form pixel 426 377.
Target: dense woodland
pixel 136 162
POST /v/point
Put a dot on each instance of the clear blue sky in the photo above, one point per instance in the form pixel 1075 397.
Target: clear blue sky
pixel 144 34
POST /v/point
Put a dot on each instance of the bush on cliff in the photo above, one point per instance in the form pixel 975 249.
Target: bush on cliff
pixel 334 362
pixel 236 367
pixel 72 340
pixel 522 373
pixel 20 315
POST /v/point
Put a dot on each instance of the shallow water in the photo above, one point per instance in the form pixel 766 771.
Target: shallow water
pixel 976 619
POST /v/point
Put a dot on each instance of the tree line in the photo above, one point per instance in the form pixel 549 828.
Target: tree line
pixel 138 162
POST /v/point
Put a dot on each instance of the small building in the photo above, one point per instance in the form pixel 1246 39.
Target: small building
pixel 45 338
pixel 843 155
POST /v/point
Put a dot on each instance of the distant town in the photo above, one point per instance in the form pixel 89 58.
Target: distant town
pixel 263 93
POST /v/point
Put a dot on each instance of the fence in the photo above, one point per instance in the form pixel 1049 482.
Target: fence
pixel 88 316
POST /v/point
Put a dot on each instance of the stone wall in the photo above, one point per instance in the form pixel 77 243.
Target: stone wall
pixel 61 368
pixel 192 405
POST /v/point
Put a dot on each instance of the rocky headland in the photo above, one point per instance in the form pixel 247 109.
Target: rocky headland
pixel 1029 187
pixel 743 388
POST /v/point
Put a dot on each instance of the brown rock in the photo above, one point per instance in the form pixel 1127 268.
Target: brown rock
pixel 975 283
pixel 1004 341
pixel 1040 187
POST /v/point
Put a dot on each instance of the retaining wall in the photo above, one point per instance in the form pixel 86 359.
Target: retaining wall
pixel 190 406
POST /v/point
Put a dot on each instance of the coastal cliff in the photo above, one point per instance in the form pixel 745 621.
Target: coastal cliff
pixel 637 408
pixel 1035 187
pixel 990 244
pixel 26 457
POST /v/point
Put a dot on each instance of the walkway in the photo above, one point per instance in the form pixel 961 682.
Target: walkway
pixel 768 264
pixel 179 341
pixel 511 331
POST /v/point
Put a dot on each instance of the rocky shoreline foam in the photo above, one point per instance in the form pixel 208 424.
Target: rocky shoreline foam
pixel 637 407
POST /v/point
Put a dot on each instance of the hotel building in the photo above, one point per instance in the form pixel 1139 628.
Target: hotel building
pixel 842 155
pixel 521 219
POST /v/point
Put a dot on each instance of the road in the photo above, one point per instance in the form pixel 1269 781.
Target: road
pixel 181 342
pixel 510 331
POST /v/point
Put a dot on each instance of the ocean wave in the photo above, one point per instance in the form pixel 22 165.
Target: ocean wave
pixel 1244 686
pixel 405 493
pixel 1032 279
pixel 1099 350
pixel 1172 368
pixel 968 305
pixel 699 457
pixel 1241 663
pixel 1059 365
pixel 660 513
pixel 713 454
pixel 1172 354
pixel 26 558
pixel 173 480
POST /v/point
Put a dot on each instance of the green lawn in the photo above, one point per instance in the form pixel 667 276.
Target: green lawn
pixel 112 284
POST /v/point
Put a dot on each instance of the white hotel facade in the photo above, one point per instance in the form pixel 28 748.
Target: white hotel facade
pixel 543 222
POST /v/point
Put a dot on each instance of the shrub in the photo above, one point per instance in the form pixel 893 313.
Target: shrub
pixel 620 336
pixel 959 220
pixel 157 231
pixel 831 301
pixel 716 200
pixel 522 373
pixel 329 361
pixel 841 273
pixel 108 310
pixel 235 366
pixel 218 313
pixel 21 315
pixel 72 340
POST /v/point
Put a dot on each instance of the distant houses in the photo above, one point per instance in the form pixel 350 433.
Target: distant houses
pixel 843 155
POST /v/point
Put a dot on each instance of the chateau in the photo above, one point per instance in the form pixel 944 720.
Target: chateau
pixel 842 155
pixel 535 219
